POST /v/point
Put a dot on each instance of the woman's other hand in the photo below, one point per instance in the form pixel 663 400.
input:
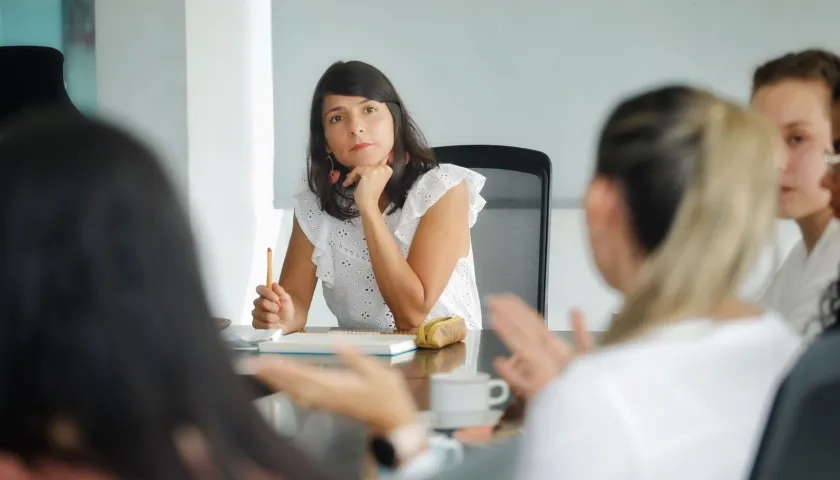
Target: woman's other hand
pixel 538 355
pixel 366 390
pixel 273 308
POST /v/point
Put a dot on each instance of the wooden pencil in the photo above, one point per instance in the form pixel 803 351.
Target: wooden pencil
pixel 269 277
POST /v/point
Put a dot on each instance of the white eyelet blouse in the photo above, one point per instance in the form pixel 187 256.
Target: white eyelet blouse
pixel 342 259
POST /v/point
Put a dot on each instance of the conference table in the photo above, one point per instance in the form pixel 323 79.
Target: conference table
pixel 340 444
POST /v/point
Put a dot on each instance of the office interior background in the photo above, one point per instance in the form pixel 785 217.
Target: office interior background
pixel 221 89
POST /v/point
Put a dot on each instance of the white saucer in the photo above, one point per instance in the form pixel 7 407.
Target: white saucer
pixel 458 420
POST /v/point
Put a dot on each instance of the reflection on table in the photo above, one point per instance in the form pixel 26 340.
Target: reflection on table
pixel 340 444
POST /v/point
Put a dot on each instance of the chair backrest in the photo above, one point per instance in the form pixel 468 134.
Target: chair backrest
pixel 802 437
pixel 510 238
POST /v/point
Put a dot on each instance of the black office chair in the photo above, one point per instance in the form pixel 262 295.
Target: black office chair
pixel 510 238
pixel 802 437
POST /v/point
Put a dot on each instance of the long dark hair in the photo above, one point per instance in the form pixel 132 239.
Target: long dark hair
pixel 105 323
pixel 358 79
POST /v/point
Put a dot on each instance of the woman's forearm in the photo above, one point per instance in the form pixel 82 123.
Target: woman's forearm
pixel 301 314
pixel 399 284
pixel 301 309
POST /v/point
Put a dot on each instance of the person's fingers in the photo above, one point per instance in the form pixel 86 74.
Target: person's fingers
pixel 510 374
pixel 583 339
pixel 359 362
pixel 265 305
pixel 279 374
pixel 267 293
pixel 529 319
pixel 279 291
pixel 514 368
pixel 509 330
pixel 524 364
pixel 284 296
pixel 521 323
pixel 287 307
pixel 353 176
pixel 527 338
pixel 263 320
pixel 557 350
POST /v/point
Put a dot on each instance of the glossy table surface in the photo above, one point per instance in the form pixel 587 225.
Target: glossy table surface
pixel 340 444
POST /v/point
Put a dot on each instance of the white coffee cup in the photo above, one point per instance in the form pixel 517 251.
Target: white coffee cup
pixel 465 392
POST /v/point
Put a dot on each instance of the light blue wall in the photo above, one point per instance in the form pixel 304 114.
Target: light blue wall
pixel 39 22
pixel 30 22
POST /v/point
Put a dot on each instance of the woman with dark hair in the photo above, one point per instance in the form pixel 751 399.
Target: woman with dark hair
pixel 382 225
pixel 109 359
pixel 680 205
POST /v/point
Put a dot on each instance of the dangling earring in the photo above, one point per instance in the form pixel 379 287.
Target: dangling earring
pixel 333 175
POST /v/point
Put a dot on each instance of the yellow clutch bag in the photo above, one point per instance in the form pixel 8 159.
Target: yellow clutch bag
pixel 440 332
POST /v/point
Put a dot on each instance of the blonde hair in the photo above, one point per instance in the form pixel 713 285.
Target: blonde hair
pixel 725 214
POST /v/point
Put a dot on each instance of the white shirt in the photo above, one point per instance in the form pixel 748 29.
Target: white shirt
pixel 797 288
pixel 688 401
pixel 343 263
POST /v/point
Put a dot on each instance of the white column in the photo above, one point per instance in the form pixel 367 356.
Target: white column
pixel 141 74
pixel 231 137
pixel 195 78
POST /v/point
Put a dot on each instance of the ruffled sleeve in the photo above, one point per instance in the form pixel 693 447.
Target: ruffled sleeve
pixel 316 226
pixel 430 188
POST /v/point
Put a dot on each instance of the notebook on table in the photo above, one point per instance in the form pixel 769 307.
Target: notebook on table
pixel 321 360
pixel 370 343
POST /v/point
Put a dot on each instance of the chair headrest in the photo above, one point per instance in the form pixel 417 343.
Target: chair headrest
pixel 32 77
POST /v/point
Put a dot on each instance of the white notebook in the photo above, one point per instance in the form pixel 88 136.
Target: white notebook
pixel 324 343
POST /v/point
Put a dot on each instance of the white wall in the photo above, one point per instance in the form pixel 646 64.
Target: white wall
pixel 141 74
pixel 231 144
pixel 193 77
pixel 539 73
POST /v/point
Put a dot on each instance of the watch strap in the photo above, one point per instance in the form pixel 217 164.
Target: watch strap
pixel 402 444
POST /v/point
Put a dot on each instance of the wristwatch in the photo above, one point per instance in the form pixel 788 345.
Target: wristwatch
pixel 399 446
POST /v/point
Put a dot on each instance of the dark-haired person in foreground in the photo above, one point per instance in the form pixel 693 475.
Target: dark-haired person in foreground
pixel 680 205
pixel 794 92
pixel 110 364
pixel 381 224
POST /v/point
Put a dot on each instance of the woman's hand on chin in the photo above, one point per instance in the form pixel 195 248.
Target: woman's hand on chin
pixel 371 181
